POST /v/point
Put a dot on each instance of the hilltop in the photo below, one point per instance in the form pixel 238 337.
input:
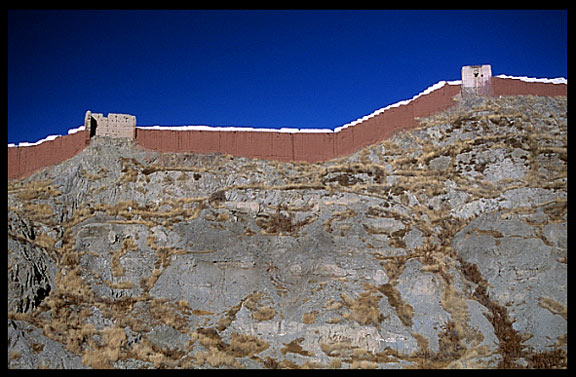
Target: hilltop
pixel 443 246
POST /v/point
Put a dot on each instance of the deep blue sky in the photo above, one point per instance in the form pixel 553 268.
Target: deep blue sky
pixel 300 69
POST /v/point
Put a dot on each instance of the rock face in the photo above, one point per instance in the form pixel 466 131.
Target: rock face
pixel 442 247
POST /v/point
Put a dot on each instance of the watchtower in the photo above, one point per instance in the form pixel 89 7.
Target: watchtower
pixel 115 125
pixel 476 80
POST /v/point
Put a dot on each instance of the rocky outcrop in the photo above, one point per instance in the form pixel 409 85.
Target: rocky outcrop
pixel 444 246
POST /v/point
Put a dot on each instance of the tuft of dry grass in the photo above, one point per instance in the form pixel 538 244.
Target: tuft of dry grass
pixel 404 310
pixel 339 216
pixel 216 358
pixel 555 359
pixel 242 345
pixel 127 245
pixel 333 305
pixel 553 306
pixel 363 364
pixel 41 189
pixel 337 349
pixel 259 313
pixel 102 357
pixel 309 318
pixel 145 350
pixel 147 283
pixel 264 313
pixel 229 317
pixel 510 341
pixel 125 284
pixel 166 312
pixel 365 309
pixel 281 222
pixel 39 211
pixel 294 347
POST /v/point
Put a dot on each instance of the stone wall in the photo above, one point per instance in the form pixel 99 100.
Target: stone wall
pixel 476 80
pixel 115 125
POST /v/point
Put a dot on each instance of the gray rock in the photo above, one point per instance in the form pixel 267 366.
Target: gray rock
pixel 379 259
pixel 28 348
pixel 440 163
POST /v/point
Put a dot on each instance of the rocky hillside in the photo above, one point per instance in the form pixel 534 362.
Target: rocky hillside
pixel 443 247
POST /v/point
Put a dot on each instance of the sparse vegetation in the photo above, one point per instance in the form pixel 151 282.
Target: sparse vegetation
pixel 112 238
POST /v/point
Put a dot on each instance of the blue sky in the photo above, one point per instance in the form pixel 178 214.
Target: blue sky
pixel 272 69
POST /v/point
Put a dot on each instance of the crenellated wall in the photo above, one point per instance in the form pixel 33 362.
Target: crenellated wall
pixel 284 144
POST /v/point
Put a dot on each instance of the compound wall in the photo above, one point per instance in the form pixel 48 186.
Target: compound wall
pixel 517 87
pixel 300 146
pixel 24 160
pixel 283 146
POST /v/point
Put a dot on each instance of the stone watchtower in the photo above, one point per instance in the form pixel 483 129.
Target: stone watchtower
pixel 115 125
pixel 476 80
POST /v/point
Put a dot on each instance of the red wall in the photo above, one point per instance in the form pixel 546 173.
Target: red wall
pixel 301 146
pixel 511 87
pixel 23 161
pixel 311 147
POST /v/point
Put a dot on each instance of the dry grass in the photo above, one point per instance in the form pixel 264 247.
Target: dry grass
pixel 363 364
pixel 127 245
pixel 130 169
pixel 339 216
pixel 125 284
pixel 216 358
pixel 167 313
pixel 101 173
pixel 242 345
pixel 365 309
pixel 450 350
pixel 145 350
pixel 337 349
pixel 553 306
pixel 259 312
pixel 150 215
pixel 34 190
pixel 294 347
pixel 37 347
pixel 264 313
pixel 229 317
pixel 555 359
pixel 333 305
pixel 404 310
pixel 510 341
pixel 281 222
pixel 147 283
pixel 39 212
pixel 69 304
pixel 309 318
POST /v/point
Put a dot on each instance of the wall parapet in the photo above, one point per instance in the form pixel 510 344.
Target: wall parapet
pixel 285 144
